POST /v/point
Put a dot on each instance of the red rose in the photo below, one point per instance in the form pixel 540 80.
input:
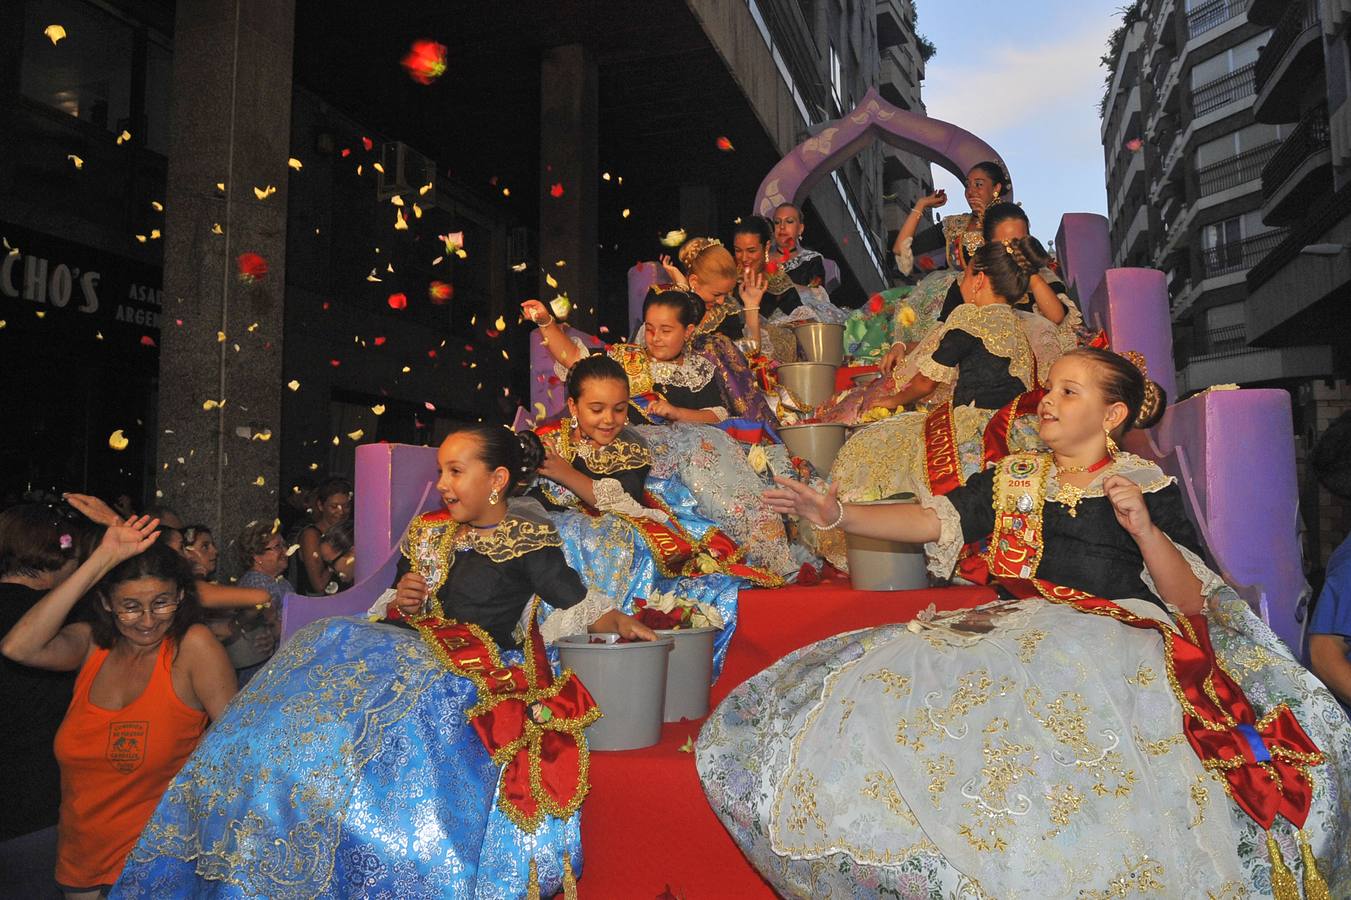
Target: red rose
pixel 875 304
pixel 252 267
pixel 771 267
pixel 398 301
pixel 926 263
pixel 556 189
pixel 426 61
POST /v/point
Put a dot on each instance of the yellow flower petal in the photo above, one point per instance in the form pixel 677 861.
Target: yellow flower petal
pixel 117 440
pixel 55 34
pixel 76 161
pixel 293 385
pixel 295 164
pixel 500 324
pixel 549 280
pixel 356 435
pixel 378 409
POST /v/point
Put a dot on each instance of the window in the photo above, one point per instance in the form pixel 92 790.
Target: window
pixel 836 80
pixel 1239 142
pixel 159 64
pixel 1229 61
pixel 88 74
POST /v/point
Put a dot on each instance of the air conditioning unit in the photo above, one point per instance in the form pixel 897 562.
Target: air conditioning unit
pixel 406 171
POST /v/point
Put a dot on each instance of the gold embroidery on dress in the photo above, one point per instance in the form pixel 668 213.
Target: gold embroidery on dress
pixel 891 681
pixel 1200 795
pixel 1065 718
pixel 1138 876
pixel 1027 644
pixel 991 805
pixel 1144 473
pixel 1065 800
pixel 1160 747
pixel 620 455
pixel 941 769
pixel 996 326
pixel 430 544
pixel 804 806
pixel 635 360
pixel 881 786
pixel 1144 676
pixel 848 705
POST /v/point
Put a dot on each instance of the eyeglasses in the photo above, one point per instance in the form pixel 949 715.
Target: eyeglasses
pixel 160 610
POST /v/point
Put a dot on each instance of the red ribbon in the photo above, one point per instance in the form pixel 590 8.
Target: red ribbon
pixel 1264 761
pixel 530 723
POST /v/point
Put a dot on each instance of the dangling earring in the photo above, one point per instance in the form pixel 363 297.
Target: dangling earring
pixel 572 423
pixel 493 497
pixel 1112 448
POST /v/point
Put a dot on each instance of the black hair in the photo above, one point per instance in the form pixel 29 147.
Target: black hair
pixel 689 307
pixel 1331 457
pixel 755 225
pixel 340 537
pixel 192 532
pixel 1122 381
pixel 38 537
pixel 520 453
pixel 1009 265
pixel 995 172
pixel 330 486
pixel 1002 212
pixel 598 367
pixel 157 561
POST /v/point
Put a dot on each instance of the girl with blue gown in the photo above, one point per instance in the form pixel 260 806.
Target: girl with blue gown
pixel 1121 725
pixel 686 399
pixel 354 763
pixel 630 535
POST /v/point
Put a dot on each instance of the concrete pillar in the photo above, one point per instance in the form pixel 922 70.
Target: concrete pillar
pixel 569 156
pixel 220 399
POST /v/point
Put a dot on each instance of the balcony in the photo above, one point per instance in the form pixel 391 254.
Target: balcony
pixel 1214 14
pixel 1292 55
pixel 1226 89
pixel 1249 366
pixel 1239 256
pixel 891 29
pixel 1136 237
pixel 1299 171
pixel 1237 170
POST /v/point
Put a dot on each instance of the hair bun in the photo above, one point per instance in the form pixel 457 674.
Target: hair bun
pixel 532 452
pixel 693 247
pixel 1153 406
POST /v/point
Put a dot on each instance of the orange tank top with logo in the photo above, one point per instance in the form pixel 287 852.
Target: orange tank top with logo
pixel 115 766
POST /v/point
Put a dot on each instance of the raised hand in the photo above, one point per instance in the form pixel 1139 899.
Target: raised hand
pixel 936 199
pixel 1128 502
pixel 794 498
pixel 753 289
pixel 673 271
pixel 93 509
pixel 122 542
pixel 536 312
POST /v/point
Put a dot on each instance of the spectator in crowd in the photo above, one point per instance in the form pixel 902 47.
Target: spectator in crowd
pixel 200 550
pixel 38 550
pixel 332 506
pixel 335 549
pixel 262 553
pixel 1330 627
pixel 150 677
pixel 167 517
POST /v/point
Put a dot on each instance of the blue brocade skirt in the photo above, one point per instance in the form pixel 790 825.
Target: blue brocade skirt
pixel 347 767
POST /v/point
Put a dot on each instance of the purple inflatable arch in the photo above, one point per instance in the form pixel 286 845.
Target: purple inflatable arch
pixel 874 119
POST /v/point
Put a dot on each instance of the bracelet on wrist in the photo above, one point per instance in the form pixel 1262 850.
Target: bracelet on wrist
pixel 838 519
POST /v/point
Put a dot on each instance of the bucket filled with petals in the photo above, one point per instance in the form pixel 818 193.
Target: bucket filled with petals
pixel 689 673
pixel 627 680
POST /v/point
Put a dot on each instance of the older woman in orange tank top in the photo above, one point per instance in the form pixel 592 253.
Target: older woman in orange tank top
pixel 150 677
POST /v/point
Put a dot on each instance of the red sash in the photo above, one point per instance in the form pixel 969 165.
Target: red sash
pixel 530 722
pixel 943 464
pixel 1264 762
pixel 678 553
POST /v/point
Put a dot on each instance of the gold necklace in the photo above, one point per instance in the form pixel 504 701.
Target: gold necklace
pixel 1069 495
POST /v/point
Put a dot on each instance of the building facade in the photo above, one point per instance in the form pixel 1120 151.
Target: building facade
pixel 154 148
pixel 1185 153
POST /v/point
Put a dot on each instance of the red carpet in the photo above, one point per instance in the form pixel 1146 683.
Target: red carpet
pixel 647 830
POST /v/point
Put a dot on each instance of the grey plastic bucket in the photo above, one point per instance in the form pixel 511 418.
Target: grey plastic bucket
pixel 818 443
pixel 821 342
pixel 878 565
pixel 812 383
pixel 628 682
pixel 690 672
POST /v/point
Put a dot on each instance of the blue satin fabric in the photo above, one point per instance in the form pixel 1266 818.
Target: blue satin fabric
pixel 612 557
pixel 345 768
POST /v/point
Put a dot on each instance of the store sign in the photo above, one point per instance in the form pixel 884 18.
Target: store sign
pixel 48 273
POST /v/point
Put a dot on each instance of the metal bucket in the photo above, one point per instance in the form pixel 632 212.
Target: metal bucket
pixel 690 672
pixel 811 382
pixel 817 443
pixel 878 565
pixel 628 682
pixel 821 342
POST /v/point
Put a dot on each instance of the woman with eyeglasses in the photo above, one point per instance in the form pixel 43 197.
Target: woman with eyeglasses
pixel 150 677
